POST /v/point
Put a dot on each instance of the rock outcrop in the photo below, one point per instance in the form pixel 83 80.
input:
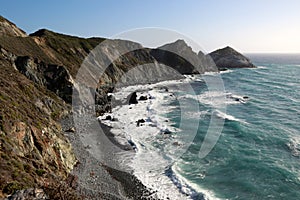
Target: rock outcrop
pixel 230 58
pixel 8 28
pixel 54 77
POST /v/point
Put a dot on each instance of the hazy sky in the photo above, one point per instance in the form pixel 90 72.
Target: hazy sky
pixel 248 26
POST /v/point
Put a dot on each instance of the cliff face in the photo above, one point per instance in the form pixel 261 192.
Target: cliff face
pixel 33 149
pixel 230 58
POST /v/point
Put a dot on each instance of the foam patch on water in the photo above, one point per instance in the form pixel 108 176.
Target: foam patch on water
pixel 259 67
pixel 193 190
pixel 294 146
pixel 149 139
pixel 228 117
pixel 218 99
pixel 226 71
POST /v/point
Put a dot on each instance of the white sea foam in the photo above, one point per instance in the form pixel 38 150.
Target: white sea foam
pixel 211 73
pixel 187 185
pixel 219 72
pixel 218 99
pixel 226 71
pixel 294 145
pixel 259 67
pixel 228 117
pixel 149 162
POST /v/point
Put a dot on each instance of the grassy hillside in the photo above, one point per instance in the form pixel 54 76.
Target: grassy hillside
pixel 31 141
pixel 33 150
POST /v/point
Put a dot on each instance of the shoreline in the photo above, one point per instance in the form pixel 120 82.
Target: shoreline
pixel 98 180
pixel 126 127
pixel 124 183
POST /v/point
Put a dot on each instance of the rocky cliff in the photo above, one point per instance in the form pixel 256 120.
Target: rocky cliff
pixel 183 59
pixel 38 72
pixel 230 58
pixel 33 150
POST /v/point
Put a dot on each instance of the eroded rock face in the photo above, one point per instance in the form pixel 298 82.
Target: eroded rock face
pixel 55 78
pixel 33 150
pixel 47 145
pixel 230 58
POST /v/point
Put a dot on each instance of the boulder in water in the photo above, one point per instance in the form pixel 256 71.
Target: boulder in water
pixel 140 121
pixel 108 117
pixel 166 131
pixel 132 98
pixel 143 98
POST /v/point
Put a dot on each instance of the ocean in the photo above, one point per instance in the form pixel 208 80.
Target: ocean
pixel 257 153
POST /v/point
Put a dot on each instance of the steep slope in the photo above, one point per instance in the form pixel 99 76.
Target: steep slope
pixel 65 50
pixel 8 28
pixel 33 150
pixel 230 58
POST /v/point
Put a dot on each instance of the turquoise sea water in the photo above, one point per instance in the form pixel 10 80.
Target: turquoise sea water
pixel 258 153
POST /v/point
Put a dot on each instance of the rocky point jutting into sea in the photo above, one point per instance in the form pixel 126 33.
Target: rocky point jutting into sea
pixel 39 146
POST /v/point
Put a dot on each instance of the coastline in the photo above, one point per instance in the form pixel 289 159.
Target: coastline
pixel 105 179
pixel 95 179
pixel 148 164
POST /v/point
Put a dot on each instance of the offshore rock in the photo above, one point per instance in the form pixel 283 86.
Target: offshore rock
pixel 230 58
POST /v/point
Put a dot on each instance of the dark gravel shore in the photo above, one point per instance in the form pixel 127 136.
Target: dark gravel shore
pixel 99 172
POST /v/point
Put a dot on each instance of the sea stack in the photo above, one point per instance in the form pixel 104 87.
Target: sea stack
pixel 230 58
